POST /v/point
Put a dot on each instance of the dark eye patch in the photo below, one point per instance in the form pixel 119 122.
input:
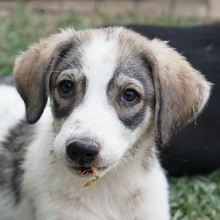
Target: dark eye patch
pixel 131 90
pixel 67 92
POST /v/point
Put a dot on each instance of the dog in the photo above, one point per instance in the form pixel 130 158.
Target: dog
pixel 195 149
pixel 94 103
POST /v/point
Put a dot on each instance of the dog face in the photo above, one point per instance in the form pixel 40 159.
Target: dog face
pixel 101 104
pixel 109 89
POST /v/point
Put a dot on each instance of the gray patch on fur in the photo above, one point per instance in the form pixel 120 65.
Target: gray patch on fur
pixel 131 71
pixel 12 152
pixel 70 66
pixel 63 104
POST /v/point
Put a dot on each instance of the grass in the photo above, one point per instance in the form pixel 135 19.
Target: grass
pixel 195 198
pixel 191 198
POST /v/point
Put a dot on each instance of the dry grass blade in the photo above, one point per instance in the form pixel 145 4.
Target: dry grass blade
pixel 96 174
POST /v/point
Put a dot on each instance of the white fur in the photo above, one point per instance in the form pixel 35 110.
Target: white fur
pixel 9 101
pixel 125 191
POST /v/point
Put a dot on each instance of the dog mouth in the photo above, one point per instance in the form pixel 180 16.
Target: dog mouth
pixel 91 170
pixel 82 171
pixel 86 171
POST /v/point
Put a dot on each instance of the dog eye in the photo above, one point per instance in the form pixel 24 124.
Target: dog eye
pixel 129 96
pixel 66 87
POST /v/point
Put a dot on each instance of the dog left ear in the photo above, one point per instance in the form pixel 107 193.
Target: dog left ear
pixel 181 91
pixel 33 68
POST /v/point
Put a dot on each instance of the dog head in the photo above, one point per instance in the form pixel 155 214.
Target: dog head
pixel 109 89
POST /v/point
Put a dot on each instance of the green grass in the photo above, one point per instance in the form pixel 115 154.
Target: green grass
pixel 191 198
pixel 195 198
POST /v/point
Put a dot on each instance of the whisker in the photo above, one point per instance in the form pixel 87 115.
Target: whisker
pixel 174 158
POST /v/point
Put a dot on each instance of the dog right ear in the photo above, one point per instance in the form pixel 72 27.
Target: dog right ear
pixel 181 91
pixel 33 68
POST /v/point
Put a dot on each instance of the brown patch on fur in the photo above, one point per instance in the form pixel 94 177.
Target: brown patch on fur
pixel 181 91
pixel 32 72
pixel 34 67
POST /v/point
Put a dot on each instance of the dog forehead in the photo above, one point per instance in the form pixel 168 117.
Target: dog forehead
pixel 100 56
pixel 110 50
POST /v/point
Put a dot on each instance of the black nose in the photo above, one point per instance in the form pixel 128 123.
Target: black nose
pixel 81 152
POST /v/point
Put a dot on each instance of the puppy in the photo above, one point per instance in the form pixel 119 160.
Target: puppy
pixel 95 102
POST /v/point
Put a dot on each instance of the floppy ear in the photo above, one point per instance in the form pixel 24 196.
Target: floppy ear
pixel 33 68
pixel 181 91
